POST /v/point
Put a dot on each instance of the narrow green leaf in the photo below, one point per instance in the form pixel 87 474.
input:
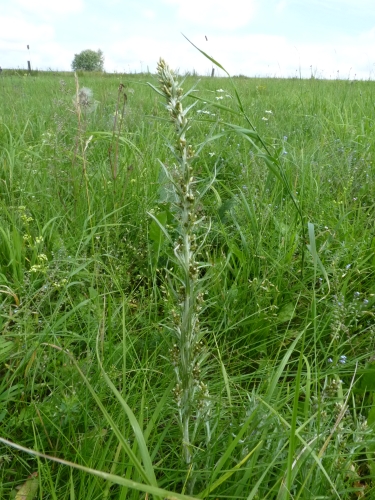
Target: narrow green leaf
pixel 228 452
pixel 152 490
pixel 216 105
pixel 149 469
pixel 107 416
pixel 287 484
pixel 228 474
pixel 207 56
pixel 314 254
pixel 281 368
pixel 121 138
pixel 6 347
pixel 156 89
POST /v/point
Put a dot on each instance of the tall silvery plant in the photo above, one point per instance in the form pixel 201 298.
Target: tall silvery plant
pixel 185 285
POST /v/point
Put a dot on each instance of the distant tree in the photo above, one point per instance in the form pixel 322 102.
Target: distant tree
pixel 88 60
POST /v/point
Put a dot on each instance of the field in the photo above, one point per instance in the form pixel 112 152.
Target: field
pixel 279 399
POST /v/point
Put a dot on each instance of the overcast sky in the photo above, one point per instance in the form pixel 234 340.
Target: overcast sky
pixel 284 38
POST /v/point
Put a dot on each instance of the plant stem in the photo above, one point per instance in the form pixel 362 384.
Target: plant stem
pixel 187 353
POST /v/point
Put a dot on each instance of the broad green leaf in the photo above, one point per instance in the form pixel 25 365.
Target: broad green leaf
pixel 287 312
pixel 155 233
pixel 29 489
pixel 367 381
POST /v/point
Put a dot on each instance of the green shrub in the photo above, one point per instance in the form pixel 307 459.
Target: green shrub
pixel 88 60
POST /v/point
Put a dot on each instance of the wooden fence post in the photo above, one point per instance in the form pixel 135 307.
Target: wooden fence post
pixel 28 62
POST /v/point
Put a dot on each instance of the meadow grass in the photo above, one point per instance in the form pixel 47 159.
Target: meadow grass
pixel 86 279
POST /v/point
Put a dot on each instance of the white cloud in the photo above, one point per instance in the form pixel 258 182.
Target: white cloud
pixel 46 8
pixel 25 22
pixel 149 14
pixel 281 6
pixel 252 55
pixel 139 52
pixel 17 29
pixel 54 56
pixel 369 36
pixel 342 4
pixel 139 44
pixel 16 34
pixel 249 55
pixel 221 14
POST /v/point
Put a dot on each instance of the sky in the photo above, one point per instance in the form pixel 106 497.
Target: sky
pixel 264 38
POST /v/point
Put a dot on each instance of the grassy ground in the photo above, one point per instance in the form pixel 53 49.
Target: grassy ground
pixel 85 370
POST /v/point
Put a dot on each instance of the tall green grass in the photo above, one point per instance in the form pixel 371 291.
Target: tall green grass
pixel 86 375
